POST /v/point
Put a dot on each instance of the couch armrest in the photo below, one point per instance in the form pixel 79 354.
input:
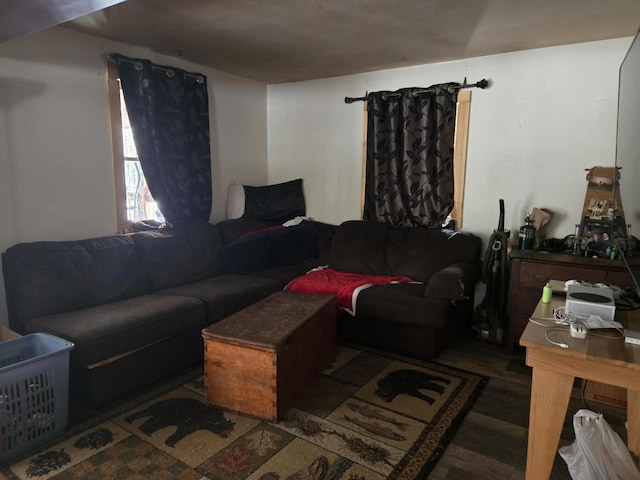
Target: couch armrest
pixel 453 282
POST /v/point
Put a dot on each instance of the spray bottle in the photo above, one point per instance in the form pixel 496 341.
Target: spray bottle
pixel 527 234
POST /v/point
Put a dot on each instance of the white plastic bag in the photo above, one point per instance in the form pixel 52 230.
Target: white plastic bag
pixel 598 452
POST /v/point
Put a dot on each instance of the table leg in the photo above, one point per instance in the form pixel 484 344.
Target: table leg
pixel 550 394
pixel 633 418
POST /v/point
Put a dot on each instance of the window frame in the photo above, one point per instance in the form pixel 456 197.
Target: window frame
pixel 120 159
pixel 460 144
pixel 117 144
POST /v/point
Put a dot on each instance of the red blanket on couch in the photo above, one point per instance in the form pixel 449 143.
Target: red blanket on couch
pixel 344 285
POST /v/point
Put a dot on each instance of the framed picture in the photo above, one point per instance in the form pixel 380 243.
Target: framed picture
pixel 597 235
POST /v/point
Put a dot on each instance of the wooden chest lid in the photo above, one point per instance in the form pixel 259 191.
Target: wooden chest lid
pixel 270 321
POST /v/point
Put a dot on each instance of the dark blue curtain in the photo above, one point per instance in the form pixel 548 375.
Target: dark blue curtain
pixel 409 162
pixel 169 114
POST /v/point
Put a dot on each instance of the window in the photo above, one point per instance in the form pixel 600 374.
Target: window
pixel 463 111
pixel 134 202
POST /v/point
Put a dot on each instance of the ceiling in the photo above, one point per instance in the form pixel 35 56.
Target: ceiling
pixel 291 40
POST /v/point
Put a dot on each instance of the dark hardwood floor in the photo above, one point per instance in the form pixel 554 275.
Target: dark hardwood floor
pixel 492 441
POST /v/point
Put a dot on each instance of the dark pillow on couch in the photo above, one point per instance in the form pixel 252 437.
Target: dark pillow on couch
pixel 271 248
pixel 360 247
pixel 279 202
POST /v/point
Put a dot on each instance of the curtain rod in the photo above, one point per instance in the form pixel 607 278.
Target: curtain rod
pixel 169 71
pixel 484 83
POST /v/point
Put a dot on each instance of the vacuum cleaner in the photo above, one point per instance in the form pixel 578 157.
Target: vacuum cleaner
pixel 491 314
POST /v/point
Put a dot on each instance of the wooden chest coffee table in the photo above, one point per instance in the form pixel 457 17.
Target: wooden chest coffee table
pixel 260 360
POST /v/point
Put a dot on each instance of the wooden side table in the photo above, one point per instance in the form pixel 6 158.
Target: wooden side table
pixel 610 361
pixel 530 270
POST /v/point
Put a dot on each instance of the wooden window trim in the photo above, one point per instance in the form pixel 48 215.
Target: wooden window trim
pixel 117 146
pixel 460 142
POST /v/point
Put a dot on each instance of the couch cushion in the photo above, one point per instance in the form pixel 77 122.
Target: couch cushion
pixel 180 255
pixel 271 247
pixel 360 247
pixel 285 273
pixel 325 238
pixel 226 294
pixel 419 252
pixel 453 282
pixel 115 328
pixel 402 303
pixel 44 278
pixel 233 229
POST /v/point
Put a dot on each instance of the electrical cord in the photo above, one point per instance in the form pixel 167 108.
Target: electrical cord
pixel 584 396
pixel 560 316
pixel 552 342
pixel 551 327
pixel 608 337
pixel 547 325
pixel 560 320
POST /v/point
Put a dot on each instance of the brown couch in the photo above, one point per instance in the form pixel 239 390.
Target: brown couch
pixel 134 305
pixel 419 320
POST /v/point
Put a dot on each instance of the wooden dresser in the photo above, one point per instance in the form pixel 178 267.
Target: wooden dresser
pixel 530 270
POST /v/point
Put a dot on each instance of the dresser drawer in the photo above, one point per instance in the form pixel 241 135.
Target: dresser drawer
pixel 534 275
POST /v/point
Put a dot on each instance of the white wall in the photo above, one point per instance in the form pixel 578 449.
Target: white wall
pixel 549 114
pixel 56 167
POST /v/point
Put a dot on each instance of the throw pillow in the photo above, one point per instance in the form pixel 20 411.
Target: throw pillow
pixel 235 200
pixel 279 202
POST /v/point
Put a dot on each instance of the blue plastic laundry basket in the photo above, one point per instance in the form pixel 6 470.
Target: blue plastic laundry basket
pixel 34 391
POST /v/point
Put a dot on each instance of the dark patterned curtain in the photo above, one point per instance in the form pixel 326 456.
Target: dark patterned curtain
pixel 169 114
pixel 409 163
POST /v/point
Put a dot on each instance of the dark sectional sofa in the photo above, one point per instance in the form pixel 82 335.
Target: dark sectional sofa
pixel 419 320
pixel 134 305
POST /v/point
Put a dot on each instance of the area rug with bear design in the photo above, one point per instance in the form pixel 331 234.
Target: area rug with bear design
pixel 371 415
